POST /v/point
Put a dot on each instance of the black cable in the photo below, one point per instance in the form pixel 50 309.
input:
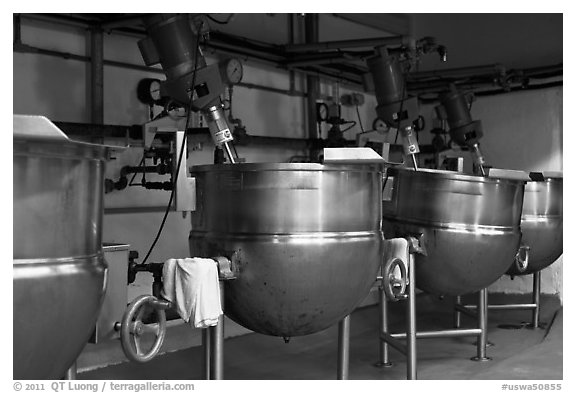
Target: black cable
pixel 220 22
pixel 134 175
pixel 350 127
pixel 235 151
pixel 359 119
pixel 189 110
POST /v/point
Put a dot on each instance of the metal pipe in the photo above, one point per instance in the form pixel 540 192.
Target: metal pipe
pixel 291 75
pixel 217 338
pixel 457 316
pixel 512 306
pixel 464 309
pixel 72 372
pixel 442 333
pixel 395 343
pixel 463 71
pixel 411 322
pixel 122 22
pixel 344 348
pixel 371 42
pixel 483 326
pixel 207 351
pixel 97 75
pixel 496 307
pixel 414 161
pixel 312 82
pixel 229 152
pixel 536 298
pixel 317 59
pixel 58 19
pixel 384 353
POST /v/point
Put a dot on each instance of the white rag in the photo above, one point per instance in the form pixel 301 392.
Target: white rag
pixel 397 248
pixel 191 284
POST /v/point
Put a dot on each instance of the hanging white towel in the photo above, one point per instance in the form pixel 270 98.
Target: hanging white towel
pixel 191 284
pixel 396 248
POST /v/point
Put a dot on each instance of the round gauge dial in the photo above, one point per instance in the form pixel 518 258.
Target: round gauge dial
pixel 148 91
pixel 234 71
pixel 155 90
pixel 322 111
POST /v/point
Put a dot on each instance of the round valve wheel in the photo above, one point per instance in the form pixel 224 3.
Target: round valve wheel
pixel 133 329
pixel 394 286
pixel 522 258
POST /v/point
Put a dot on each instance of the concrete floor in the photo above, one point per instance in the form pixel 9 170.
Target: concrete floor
pixel 521 353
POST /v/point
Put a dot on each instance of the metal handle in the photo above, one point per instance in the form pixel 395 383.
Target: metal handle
pixel 394 287
pixel 133 328
pixel 522 262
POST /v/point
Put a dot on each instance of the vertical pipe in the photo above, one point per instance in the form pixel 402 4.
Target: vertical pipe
pixel 457 315
pixel 72 372
pixel 383 354
pixel 481 341
pixel 217 336
pixel 312 82
pixel 207 351
pixel 291 73
pixel 536 277
pixel 17 38
pixel 97 75
pixel 344 348
pixel 411 322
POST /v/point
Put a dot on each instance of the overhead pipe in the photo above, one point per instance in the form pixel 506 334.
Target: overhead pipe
pixel 364 42
pixel 129 20
pixel 316 59
pixel 460 72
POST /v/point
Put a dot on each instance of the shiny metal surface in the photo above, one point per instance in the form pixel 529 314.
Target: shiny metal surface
pixel 306 239
pixel 469 226
pixel 542 223
pixel 59 272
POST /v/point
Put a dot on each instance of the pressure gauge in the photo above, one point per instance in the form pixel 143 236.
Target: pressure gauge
pixel 148 91
pixel 321 111
pixel 380 125
pixel 234 71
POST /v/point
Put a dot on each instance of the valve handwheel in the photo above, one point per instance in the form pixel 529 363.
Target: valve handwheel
pixel 394 286
pixel 133 328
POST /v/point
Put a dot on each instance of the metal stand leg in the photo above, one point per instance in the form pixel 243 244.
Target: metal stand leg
pixel 217 345
pixel 344 348
pixel 206 333
pixel 536 299
pixel 71 373
pixel 483 326
pixel 411 322
pixel 457 315
pixel 384 354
